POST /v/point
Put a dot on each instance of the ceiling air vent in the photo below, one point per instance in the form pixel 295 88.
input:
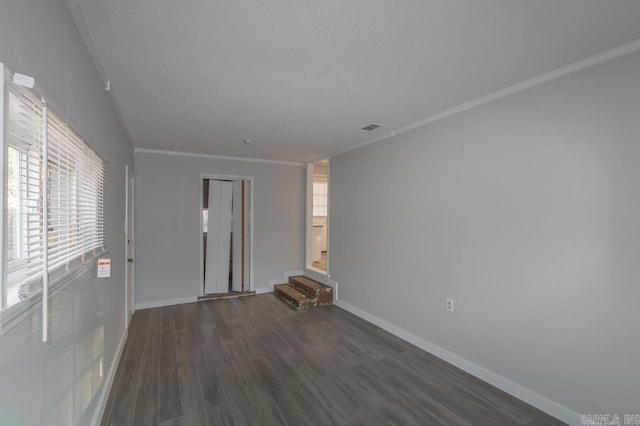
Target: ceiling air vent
pixel 370 127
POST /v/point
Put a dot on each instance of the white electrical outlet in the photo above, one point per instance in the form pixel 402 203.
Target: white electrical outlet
pixel 450 305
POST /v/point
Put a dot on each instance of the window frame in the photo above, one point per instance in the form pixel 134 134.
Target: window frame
pixel 19 260
pixel 70 260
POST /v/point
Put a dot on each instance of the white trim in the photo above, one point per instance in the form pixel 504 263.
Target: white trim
pixel 132 237
pixel 224 177
pixel 321 277
pixel 273 283
pixel 264 290
pixel 126 246
pixel 308 231
pixel 316 270
pixel 165 302
pixel 216 157
pixel 324 279
pixel 308 215
pixel 552 408
pixel 284 280
pixel 3 196
pixel 288 274
pixel 250 179
pixel 328 258
pixel 98 413
pixel 535 81
pixel 45 224
pixel 252 256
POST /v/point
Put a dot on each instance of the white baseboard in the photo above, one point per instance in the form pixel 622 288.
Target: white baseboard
pixel 270 288
pixel 288 274
pixel 544 404
pixel 324 279
pixel 108 382
pixel 276 281
pixel 321 278
pixel 167 302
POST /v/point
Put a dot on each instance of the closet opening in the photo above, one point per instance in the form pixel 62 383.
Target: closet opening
pixel 226 233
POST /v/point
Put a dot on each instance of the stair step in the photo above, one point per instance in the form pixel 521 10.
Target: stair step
pixel 314 289
pixel 294 297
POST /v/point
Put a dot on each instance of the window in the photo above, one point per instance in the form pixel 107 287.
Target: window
pixel 15 247
pixel 53 200
pixel 205 220
pixel 320 191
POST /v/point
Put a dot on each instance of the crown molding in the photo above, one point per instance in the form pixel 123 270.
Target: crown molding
pixel 216 157
pixel 605 56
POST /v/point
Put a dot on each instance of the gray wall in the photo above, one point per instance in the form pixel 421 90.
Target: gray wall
pixel 59 383
pixel 526 212
pixel 168 223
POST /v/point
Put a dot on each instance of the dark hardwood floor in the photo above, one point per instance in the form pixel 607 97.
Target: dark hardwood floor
pixel 254 360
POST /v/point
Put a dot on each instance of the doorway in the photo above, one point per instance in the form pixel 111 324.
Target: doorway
pixel 226 235
pixel 317 234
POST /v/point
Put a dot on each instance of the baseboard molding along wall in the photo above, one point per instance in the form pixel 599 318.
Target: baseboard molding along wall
pixel 552 408
pixel 167 302
pixel 544 404
pixel 324 279
pixel 108 382
pixel 288 274
pixel 276 281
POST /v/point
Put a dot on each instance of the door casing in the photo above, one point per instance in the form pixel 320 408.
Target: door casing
pixel 250 251
pixel 129 246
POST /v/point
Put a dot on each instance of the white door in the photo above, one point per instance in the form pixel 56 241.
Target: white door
pixel 238 234
pixel 216 278
pixel 128 230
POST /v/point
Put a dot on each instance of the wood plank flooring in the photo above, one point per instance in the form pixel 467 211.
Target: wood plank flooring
pixel 255 361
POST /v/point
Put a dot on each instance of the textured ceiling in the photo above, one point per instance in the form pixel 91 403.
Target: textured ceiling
pixel 300 78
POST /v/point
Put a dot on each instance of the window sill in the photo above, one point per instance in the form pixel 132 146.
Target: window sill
pixel 13 315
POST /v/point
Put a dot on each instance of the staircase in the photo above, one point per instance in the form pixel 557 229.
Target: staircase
pixel 302 292
pixel 322 262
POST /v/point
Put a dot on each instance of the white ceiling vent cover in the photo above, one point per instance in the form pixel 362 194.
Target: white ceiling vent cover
pixel 370 127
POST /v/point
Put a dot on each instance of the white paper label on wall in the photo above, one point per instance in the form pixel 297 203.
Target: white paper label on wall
pixel 104 268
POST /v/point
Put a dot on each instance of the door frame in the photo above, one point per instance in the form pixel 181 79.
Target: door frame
pixel 308 234
pixel 129 246
pixel 249 179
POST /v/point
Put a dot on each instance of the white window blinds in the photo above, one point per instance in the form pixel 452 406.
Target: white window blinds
pixel 25 132
pixel 58 194
pixel 75 179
